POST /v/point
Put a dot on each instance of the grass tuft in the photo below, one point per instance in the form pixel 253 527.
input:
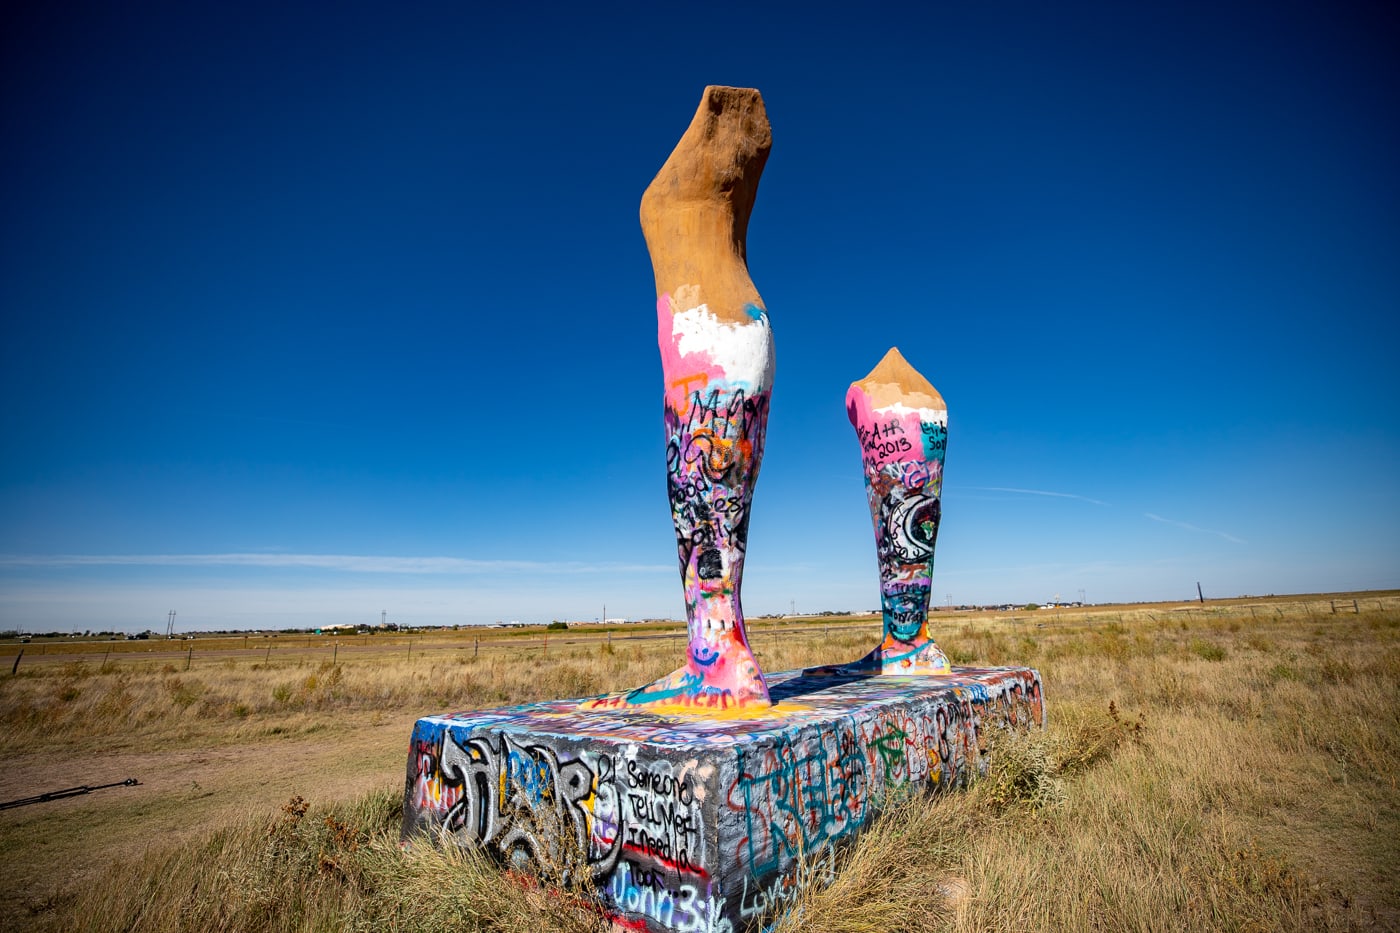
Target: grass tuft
pixel 1085 740
pixel 1207 651
pixel 1022 772
pixel 318 868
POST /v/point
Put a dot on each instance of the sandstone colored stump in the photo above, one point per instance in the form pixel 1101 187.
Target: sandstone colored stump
pixel 691 823
pixel 717 366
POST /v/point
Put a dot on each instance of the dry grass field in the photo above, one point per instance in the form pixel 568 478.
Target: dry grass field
pixel 1228 766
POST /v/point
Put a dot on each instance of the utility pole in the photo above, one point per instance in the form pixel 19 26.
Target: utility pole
pixel 170 624
pixel 1199 594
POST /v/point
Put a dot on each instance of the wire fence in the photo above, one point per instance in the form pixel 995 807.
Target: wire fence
pixel 278 649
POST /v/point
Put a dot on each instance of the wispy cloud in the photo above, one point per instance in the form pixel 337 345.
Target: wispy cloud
pixel 1036 492
pixel 351 563
pixel 1189 527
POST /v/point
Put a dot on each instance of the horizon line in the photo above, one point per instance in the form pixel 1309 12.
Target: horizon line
pixel 354 563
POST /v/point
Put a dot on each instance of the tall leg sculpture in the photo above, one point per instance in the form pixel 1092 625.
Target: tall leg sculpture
pixel 717 364
pixel 902 424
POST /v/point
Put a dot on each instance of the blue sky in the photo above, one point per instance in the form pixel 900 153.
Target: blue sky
pixel 310 314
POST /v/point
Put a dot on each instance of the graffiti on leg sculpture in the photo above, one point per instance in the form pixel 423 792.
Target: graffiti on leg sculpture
pixel 717 364
pixel 902 424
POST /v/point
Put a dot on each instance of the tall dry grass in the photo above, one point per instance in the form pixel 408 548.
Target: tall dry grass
pixel 335 868
pixel 1227 769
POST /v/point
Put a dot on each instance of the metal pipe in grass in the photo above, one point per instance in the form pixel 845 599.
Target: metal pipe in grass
pixel 66 792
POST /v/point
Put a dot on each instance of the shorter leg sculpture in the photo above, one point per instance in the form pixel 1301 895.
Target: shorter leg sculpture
pixel 902 424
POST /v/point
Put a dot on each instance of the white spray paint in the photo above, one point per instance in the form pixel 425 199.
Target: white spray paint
pixel 743 351
pixel 927 415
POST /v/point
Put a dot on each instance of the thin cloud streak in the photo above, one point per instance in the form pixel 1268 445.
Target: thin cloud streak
pixel 352 563
pixel 1037 492
pixel 1189 527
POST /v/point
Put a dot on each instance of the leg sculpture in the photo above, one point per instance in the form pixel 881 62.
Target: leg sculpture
pixel 902 424
pixel 717 363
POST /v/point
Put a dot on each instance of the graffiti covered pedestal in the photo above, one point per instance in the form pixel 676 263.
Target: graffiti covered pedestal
pixel 695 823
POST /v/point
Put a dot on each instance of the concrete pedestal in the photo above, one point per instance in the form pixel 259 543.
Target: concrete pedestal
pixel 695 823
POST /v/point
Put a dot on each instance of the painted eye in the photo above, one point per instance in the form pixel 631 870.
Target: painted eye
pixel 913 525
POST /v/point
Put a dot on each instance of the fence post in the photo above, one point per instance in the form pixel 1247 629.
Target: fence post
pixel 1334 607
pixel 189 657
pixel 15 669
pixel 476 646
pixel 335 653
pixel 1355 608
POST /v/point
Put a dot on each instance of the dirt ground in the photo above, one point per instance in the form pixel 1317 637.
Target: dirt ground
pixel 183 792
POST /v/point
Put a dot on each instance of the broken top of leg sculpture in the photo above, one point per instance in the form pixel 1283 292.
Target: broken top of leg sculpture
pixel 902 424
pixel 717 366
